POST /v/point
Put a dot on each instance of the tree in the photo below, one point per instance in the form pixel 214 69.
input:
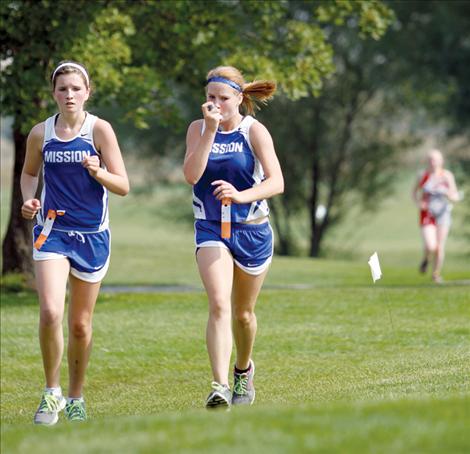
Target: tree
pixel 145 72
pixel 439 81
pixel 35 36
pixel 437 67
pixel 291 47
pixel 337 149
pixel 348 149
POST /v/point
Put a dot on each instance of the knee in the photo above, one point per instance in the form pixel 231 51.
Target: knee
pixel 245 317
pixel 80 329
pixel 440 247
pixel 50 317
pixel 219 308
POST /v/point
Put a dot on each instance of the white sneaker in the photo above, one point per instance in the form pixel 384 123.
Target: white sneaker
pixel 48 411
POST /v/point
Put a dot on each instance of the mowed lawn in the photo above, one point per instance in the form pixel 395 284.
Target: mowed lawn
pixel 339 369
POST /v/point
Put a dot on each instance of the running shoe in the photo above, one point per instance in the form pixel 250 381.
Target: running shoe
pixel 219 397
pixel 243 387
pixel 48 411
pixel 75 410
pixel 424 266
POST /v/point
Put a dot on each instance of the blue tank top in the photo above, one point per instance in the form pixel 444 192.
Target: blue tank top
pixel 231 159
pixel 67 184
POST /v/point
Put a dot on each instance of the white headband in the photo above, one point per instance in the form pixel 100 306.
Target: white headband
pixel 73 65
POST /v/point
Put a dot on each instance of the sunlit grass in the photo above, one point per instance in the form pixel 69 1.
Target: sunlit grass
pixel 357 358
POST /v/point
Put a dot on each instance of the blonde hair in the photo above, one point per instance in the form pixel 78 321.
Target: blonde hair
pixel 436 152
pixel 254 93
pixel 437 155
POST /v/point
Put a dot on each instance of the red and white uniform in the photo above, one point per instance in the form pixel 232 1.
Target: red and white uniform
pixel 434 189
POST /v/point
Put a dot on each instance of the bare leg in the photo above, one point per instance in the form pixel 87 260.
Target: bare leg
pixel 82 303
pixel 51 279
pixel 429 234
pixel 246 289
pixel 442 233
pixel 216 269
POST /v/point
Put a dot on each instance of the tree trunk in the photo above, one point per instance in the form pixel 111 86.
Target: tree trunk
pixel 282 229
pixel 319 227
pixel 17 243
pixel 316 239
pixel 315 175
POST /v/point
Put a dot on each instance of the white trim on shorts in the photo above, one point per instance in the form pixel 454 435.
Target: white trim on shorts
pixel 213 244
pixel 254 271
pixel 93 277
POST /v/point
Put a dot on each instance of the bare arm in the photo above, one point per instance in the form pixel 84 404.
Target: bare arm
pixel 273 183
pixel 114 177
pixel 199 146
pixel 453 193
pixel 416 195
pixel 29 175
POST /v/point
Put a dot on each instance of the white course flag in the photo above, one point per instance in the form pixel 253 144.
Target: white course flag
pixel 375 267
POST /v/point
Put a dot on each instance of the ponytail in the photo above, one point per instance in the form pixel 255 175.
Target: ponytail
pixel 254 93
pixel 257 93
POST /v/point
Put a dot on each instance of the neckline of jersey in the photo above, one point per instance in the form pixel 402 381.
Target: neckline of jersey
pixel 73 138
pixel 234 129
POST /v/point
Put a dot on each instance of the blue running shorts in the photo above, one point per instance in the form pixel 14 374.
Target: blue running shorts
pixel 88 253
pixel 251 245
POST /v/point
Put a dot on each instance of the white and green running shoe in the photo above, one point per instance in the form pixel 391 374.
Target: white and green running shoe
pixel 75 410
pixel 243 386
pixel 48 411
pixel 219 397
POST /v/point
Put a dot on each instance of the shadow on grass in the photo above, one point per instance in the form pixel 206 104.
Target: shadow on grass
pixel 445 284
pixel 15 296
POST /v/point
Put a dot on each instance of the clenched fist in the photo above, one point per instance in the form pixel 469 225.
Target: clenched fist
pixel 30 208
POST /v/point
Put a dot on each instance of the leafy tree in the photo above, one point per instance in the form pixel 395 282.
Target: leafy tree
pixel 36 35
pixel 344 140
pixel 436 70
pixel 295 54
pixel 147 72
pixel 437 66
pixel 339 148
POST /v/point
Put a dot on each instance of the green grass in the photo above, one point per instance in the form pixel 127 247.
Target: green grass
pixel 392 229
pixel 435 426
pixel 351 369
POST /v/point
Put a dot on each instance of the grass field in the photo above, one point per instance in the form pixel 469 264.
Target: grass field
pixel 339 369
pixel 343 365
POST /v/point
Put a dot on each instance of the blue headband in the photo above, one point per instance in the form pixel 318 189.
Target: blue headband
pixel 223 80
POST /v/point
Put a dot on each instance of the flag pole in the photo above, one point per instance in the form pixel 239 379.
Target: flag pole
pixel 376 275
